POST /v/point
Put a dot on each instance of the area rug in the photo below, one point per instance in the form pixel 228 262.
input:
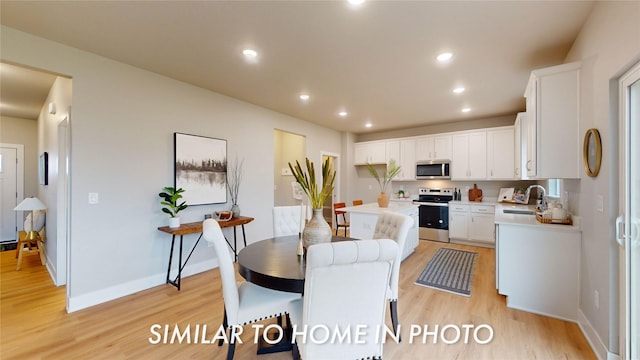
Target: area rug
pixel 449 270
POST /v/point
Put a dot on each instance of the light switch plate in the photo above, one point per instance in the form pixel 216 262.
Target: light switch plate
pixel 93 198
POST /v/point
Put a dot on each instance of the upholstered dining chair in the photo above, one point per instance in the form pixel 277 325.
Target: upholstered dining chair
pixel 345 286
pixel 288 220
pixel 394 226
pixel 244 302
pixel 341 214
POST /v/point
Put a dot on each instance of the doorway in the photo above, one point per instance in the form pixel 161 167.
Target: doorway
pixel 288 148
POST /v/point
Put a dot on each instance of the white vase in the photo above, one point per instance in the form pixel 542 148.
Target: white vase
pixel 317 230
pixel 236 210
pixel 174 222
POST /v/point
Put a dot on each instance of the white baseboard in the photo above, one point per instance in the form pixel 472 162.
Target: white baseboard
pixel 84 301
pixel 52 272
pixel 594 339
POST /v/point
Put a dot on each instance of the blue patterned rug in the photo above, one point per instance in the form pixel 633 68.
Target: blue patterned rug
pixel 449 270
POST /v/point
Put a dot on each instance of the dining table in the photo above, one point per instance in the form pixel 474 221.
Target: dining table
pixel 273 263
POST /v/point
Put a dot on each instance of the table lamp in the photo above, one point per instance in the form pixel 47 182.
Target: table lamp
pixel 31 204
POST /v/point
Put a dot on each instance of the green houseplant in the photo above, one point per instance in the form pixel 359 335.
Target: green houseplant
pixel 383 180
pixel 317 230
pixel 170 197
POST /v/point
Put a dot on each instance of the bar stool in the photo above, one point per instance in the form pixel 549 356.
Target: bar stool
pixel 345 224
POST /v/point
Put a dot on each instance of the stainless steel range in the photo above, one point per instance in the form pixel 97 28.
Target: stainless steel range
pixel 434 213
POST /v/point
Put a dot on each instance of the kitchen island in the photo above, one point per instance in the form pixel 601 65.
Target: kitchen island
pixel 538 265
pixel 363 220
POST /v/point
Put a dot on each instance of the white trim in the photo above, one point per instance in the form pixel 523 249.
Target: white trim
pixel 592 337
pixel 84 301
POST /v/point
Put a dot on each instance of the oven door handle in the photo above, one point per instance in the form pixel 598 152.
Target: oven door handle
pixel 431 204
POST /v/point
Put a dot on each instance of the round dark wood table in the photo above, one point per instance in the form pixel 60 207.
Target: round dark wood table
pixel 274 264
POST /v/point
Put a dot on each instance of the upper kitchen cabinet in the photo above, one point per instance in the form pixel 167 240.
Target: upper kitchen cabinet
pixel 372 152
pixel 469 156
pixel 403 152
pixel 520 141
pixel 553 139
pixel 433 148
pixel 500 153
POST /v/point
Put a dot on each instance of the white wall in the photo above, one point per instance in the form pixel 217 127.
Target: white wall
pixel 123 120
pixel 23 131
pixel 60 95
pixel 608 42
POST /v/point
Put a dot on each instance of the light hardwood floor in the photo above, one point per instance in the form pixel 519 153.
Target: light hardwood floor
pixel 34 324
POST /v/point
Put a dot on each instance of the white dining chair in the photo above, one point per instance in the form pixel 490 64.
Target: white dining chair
pixel 345 287
pixel 394 226
pixel 244 302
pixel 288 220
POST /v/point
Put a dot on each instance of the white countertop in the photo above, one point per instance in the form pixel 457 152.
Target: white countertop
pixel 373 208
pixel 530 220
pixel 467 202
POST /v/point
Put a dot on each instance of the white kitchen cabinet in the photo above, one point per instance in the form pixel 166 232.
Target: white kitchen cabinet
pixel 520 146
pixel 458 221
pixel 469 156
pixel 403 153
pixel 538 269
pixel 372 152
pixel 500 153
pixel 553 138
pixel 482 223
pixel 470 223
pixel 437 147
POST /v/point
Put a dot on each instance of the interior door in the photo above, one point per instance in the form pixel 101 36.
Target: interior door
pixel 629 221
pixel 8 193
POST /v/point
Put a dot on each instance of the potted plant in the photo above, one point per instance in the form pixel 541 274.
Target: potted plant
pixel 317 230
pixel 383 180
pixel 234 179
pixel 170 197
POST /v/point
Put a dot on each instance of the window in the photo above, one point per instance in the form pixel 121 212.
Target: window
pixel 554 186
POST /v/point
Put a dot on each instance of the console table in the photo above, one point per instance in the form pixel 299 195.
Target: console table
pixel 196 228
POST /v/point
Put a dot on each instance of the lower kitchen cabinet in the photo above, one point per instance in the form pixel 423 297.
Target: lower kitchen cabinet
pixel 538 268
pixel 471 223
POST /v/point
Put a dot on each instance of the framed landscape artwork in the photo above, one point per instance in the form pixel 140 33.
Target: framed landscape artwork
pixel 201 168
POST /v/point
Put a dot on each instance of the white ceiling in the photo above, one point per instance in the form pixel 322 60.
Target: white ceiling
pixel 376 61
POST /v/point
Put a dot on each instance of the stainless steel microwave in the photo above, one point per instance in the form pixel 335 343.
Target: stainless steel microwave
pixel 434 169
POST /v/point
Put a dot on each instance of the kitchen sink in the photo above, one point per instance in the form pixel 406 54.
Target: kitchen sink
pixel 519 211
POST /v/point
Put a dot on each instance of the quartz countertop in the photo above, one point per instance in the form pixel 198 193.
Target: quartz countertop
pixel 373 208
pixel 530 220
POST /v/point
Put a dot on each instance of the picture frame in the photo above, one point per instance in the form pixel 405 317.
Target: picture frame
pixel 43 169
pixel 200 168
pixel 592 152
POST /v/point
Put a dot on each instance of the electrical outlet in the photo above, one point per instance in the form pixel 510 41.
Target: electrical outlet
pixel 596 300
pixel 93 198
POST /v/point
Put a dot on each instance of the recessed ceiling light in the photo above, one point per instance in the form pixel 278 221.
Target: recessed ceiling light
pixel 459 90
pixel 368 125
pixel 250 53
pixel 465 110
pixel 444 57
pixel 343 113
pixel 304 97
pixel 355 2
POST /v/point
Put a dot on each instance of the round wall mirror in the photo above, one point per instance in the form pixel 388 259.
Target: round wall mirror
pixel 592 152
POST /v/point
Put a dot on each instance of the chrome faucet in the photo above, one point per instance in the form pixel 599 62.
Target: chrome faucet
pixel 543 202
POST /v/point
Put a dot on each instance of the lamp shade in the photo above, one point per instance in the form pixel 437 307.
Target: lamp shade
pixel 29 204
